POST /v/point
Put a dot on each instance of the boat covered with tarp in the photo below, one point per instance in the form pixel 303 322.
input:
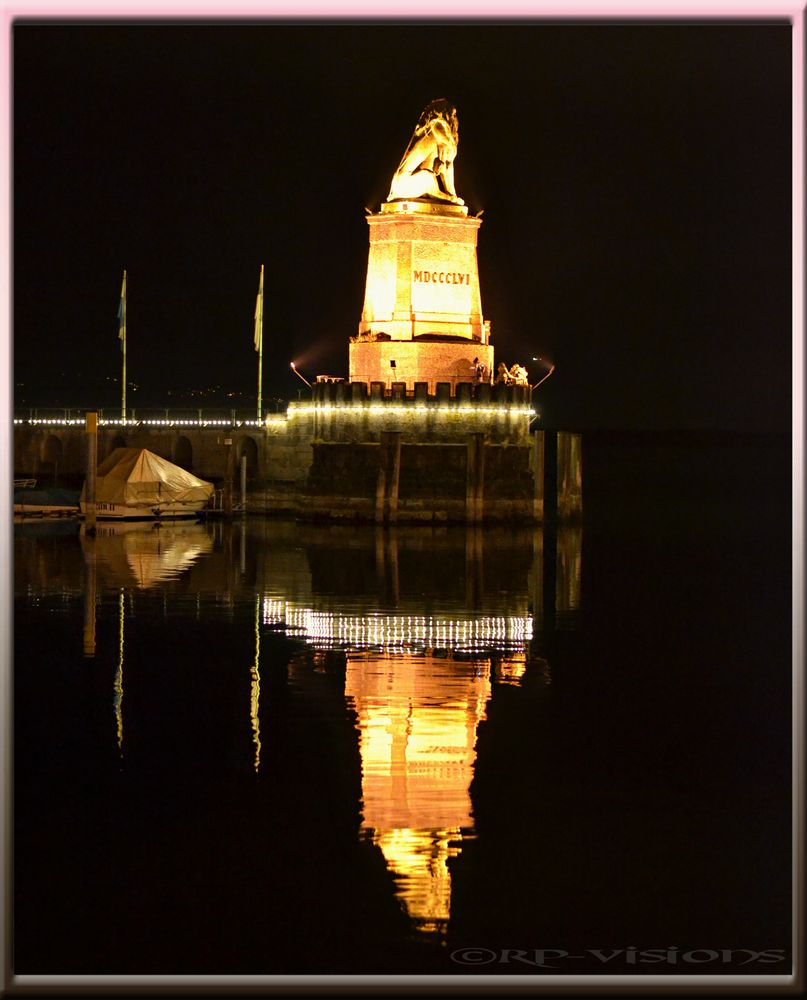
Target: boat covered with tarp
pixel 135 484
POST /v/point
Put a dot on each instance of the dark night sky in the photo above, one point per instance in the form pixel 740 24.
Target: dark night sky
pixel 635 181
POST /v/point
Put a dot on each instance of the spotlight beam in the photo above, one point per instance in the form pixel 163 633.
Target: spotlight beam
pixel 544 378
pixel 294 369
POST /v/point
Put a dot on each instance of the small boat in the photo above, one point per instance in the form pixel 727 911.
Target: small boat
pixel 134 484
pixel 44 502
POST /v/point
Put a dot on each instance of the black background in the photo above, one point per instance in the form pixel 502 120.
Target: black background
pixel 635 180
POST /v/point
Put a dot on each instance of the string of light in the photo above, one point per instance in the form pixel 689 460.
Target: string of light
pixel 329 629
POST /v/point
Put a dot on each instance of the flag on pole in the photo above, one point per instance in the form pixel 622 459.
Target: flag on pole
pixel 259 315
pixel 122 313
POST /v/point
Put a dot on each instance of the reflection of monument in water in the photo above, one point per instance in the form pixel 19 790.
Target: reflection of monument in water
pixel 421 662
pixel 429 622
pixel 417 718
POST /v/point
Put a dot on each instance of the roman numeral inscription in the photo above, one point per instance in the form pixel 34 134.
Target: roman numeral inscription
pixel 441 278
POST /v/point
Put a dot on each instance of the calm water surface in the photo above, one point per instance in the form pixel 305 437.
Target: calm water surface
pixel 262 747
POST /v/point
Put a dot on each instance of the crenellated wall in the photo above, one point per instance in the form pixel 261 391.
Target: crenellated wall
pixel 354 452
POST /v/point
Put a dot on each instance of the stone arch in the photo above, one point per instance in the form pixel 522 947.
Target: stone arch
pixel 52 449
pixel 51 453
pixel 118 441
pixel 182 454
pixel 248 447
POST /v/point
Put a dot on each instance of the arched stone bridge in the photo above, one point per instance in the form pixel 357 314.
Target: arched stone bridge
pixel 55 449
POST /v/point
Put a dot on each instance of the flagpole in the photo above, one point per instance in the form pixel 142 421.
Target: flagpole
pixel 260 375
pixel 123 387
pixel 259 344
pixel 122 336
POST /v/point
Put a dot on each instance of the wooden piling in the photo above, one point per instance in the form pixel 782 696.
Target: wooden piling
pixel 227 497
pixel 550 477
pixel 570 475
pixel 389 474
pixel 91 427
pixel 537 460
pixel 475 479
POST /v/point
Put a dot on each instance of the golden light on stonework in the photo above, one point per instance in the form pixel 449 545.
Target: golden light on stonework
pixel 422 271
pixel 426 169
pixel 379 294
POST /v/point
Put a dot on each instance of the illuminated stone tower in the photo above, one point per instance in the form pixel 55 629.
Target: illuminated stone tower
pixel 422 318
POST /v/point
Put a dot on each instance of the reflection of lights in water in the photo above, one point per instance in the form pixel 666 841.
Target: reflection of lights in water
pixel 417 718
pixel 118 685
pixel 325 628
pixel 255 688
pixel 143 553
pixel 569 548
pixel 166 563
pixel 419 859
pixel 510 669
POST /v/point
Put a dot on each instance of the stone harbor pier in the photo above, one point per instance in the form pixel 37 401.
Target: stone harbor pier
pixel 426 459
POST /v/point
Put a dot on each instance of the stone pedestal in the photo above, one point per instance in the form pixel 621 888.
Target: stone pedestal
pixel 422 304
pixel 417 362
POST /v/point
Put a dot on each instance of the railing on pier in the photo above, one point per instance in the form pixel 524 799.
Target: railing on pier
pixel 340 393
pixel 154 416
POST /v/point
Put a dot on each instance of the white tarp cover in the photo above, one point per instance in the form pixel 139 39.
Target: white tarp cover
pixel 136 476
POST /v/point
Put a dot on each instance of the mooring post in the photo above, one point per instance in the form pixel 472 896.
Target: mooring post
pixel 91 427
pixel 395 475
pixel 569 475
pixel 537 460
pixel 550 477
pixel 389 473
pixel 381 482
pixel 244 483
pixel 475 478
pixel 227 499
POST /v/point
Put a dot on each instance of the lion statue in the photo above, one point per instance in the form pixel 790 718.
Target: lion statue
pixel 427 167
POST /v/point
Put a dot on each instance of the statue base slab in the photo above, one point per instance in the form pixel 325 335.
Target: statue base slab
pixel 422 206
